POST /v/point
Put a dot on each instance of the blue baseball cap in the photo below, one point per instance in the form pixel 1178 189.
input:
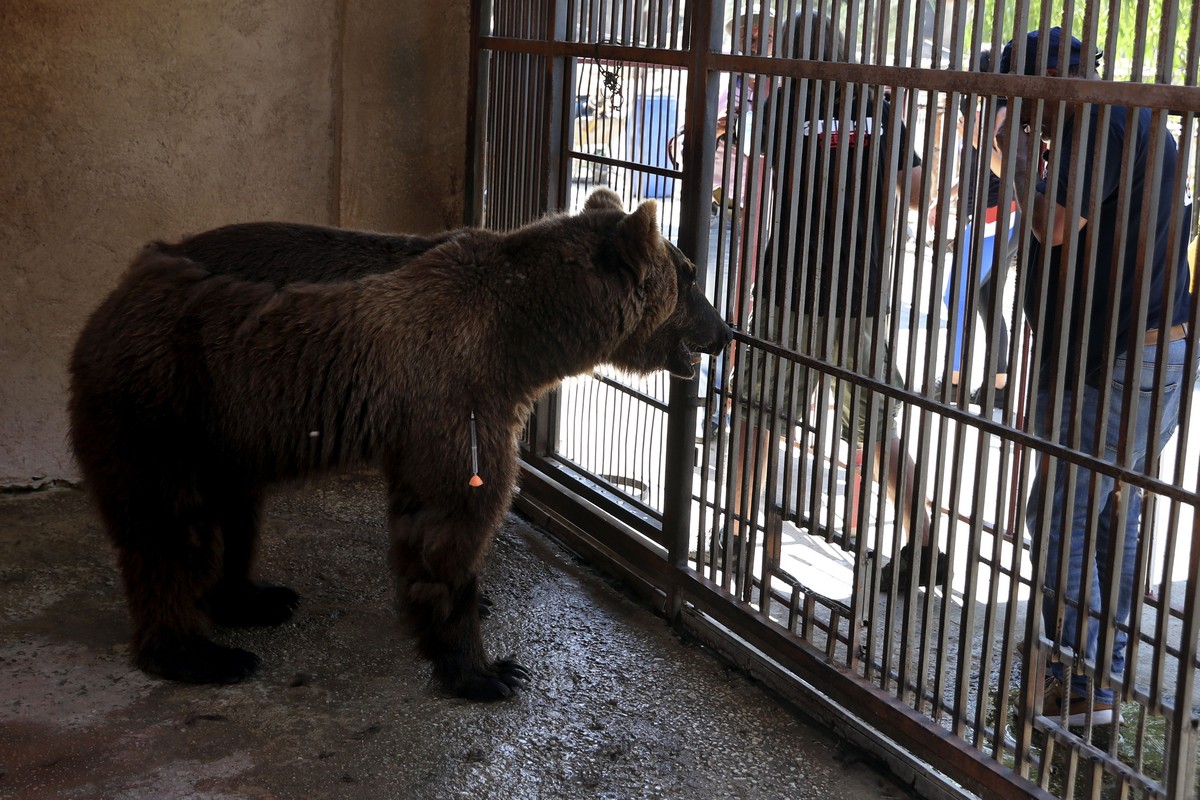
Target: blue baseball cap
pixel 1054 36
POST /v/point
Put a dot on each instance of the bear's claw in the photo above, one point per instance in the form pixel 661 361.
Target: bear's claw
pixel 498 682
pixel 513 674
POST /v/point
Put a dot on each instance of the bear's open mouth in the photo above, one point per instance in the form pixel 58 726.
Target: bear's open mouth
pixel 683 361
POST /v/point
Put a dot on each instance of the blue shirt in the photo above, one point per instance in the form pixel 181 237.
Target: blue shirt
pixel 1113 273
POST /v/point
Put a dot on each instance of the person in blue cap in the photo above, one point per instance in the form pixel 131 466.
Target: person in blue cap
pixel 1072 337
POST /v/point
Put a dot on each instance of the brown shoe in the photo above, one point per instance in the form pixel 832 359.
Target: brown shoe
pixel 1077 709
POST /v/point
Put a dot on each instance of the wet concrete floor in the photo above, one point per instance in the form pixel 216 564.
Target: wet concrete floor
pixel 619 707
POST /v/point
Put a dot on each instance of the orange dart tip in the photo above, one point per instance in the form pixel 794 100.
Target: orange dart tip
pixel 475 481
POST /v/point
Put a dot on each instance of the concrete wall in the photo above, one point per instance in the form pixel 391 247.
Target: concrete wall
pixel 123 121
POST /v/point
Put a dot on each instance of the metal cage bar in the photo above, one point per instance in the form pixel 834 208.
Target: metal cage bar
pixel 744 501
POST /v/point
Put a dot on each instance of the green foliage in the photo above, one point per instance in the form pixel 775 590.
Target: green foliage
pixel 1163 24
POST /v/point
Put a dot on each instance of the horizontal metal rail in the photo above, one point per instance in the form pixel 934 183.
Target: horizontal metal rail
pixel 714 497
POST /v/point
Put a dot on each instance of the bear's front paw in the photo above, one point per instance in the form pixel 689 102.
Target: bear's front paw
pixel 252 605
pixel 485 605
pixel 198 660
pixel 498 681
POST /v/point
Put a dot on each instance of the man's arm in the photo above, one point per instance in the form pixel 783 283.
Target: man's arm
pixel 1027 152
pixel 997 155
pixel 914 187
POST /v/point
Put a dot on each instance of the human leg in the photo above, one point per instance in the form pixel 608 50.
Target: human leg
pixel 901 486
pixel 986 312
pixel 955 299
pixel 893 465
pixel 1154 442
pixel 1066 517
pixel 999 277
pixel 902 492
pixel 992 283
pixel 1002 238
pixel 914 522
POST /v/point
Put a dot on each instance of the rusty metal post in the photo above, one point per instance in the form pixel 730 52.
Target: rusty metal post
pixel 699 149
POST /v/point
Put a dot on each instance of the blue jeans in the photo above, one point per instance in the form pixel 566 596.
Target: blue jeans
pixel 1106 487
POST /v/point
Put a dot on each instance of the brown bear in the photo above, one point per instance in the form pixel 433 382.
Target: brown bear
pixel 193 392
pixel 291 252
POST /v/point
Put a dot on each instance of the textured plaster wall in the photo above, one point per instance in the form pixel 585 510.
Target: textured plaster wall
pixel 123 121
pixel 404 114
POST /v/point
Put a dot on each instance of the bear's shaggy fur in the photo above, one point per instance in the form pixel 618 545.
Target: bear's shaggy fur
pixel 193 392
pixel 287 252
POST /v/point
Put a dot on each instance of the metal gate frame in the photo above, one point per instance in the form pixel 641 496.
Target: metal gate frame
pixel 509 186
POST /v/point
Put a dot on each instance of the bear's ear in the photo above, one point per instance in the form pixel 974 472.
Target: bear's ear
pixel 638 238
pixel 603 198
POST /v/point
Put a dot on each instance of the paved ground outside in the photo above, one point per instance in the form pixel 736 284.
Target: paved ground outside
pixel 619 707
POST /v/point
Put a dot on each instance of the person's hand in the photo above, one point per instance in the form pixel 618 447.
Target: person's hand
pixel 934 207
pixel 1022 155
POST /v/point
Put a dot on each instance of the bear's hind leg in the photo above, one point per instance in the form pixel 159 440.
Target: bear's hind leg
pixel 438 591
pixel 237 600
pixel 167 564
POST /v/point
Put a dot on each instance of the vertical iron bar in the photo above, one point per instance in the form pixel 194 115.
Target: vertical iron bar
pixel 477 117
pixel 558 113
pixel 693 240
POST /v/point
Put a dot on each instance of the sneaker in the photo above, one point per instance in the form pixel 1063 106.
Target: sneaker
pixel 903 563
pixel 1053 696
pixel 1001 397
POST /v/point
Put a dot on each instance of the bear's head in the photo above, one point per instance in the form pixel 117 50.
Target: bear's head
pixel 676 322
